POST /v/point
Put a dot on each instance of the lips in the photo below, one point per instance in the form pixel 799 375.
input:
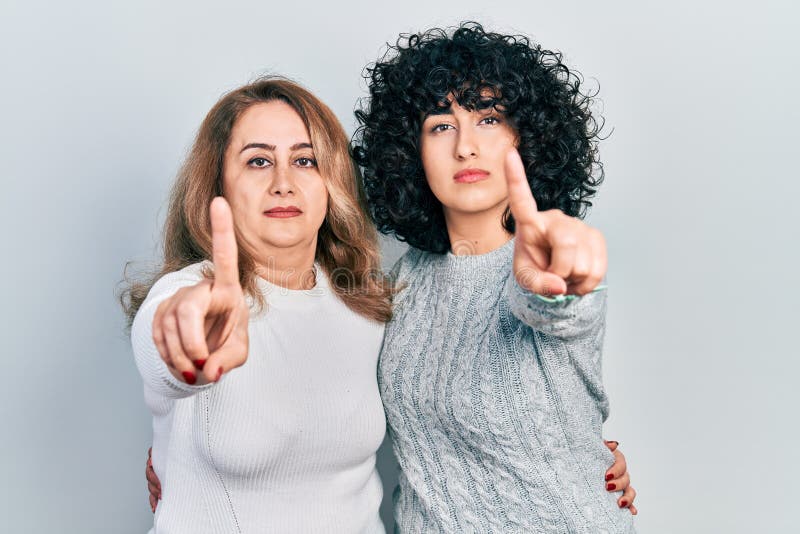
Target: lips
pixel 468 176
pixel 283 212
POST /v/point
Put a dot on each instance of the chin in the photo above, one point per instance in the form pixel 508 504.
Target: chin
pixel 285 240
pixel 476 204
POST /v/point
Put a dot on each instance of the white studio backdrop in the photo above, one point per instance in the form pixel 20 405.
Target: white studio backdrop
pixel 100 102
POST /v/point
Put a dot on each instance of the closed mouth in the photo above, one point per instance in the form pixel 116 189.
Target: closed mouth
pixel 283 211
pixel 470 175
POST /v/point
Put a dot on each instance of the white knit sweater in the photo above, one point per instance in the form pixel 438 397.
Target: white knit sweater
pixel 285 443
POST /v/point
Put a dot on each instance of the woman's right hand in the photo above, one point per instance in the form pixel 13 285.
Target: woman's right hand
pixel 204 327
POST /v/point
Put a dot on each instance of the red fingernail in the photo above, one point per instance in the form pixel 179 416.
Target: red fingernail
pixel 219 374
pixel 611 487
pixel 199 364
pixel 609 476
pixel 623 504
pixel 189 377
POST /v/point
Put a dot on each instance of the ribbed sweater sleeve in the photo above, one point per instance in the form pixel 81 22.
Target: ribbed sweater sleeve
pixel 574 329
pixel 154 371
pixel 566 319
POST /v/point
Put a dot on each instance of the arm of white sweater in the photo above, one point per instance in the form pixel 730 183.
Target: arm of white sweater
pixel 154 371
pixel 564 317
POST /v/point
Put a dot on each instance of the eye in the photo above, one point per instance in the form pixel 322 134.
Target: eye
pixel 441 127
pixel 490 120
pixel 306 162
pixel 259 162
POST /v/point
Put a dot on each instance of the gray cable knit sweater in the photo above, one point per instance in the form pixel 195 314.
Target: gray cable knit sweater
pixel 495 402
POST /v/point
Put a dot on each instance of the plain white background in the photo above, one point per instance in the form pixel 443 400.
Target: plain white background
pixel 100 103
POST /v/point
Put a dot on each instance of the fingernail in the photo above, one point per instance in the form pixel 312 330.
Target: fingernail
pixel 199 363
pixel 609 476
pixel 623 504
pixel 219 374
pixel 611 487
pixel 614 442
pixel 189 377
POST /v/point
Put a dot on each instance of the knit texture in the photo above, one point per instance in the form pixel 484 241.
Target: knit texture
pixel 495 402
pixel 285 443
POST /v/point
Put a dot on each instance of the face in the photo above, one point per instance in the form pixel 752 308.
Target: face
pixel 463 154
pixel 271 179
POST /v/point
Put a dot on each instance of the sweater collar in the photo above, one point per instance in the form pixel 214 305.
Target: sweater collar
pixel 492 265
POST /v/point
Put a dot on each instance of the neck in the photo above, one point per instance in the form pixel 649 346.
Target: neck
pixel 476 233
pixel 291 267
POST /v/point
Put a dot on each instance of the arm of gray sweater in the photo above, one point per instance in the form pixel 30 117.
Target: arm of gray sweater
pixel 154 371
pixel 569 317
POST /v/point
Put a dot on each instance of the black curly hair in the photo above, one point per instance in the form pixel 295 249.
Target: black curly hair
pixel 538 94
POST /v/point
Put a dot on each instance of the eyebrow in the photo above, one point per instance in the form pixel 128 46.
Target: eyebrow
pixel 483 104
pixel 440 110
pixel 265 146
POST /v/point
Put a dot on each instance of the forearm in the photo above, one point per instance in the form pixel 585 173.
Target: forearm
pixel 160 378
pixel 561 316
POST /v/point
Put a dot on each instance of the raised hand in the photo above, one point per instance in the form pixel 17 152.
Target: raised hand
pixel 554 253
pixel 204 327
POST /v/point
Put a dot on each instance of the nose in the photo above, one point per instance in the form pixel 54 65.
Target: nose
pixel 282 184
pixel 466 144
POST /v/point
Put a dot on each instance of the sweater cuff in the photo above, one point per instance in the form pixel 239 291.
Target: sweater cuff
pixel 562 298
pixel 181 388
pixel 562 316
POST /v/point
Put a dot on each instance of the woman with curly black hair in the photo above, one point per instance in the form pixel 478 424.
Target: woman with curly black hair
pixel 490 368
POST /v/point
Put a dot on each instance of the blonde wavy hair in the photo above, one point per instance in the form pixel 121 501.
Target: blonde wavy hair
pixel 347 243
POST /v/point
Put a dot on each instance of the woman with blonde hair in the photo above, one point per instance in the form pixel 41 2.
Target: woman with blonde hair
pixel 269 257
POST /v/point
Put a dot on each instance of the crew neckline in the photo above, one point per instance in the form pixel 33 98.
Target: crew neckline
pixel 290 298
pixel 488 257
pixel 488 266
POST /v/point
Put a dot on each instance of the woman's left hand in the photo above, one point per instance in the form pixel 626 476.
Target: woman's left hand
pixel 554 254
pixel 153 484
pixel 617 478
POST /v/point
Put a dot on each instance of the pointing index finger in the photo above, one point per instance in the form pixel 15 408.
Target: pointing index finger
pixel 223 243
pixel 520 198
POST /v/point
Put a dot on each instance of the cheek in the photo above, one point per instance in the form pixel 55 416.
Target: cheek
pixel 235 189
pixel 244 200
pixel 432 153
pixel 319 200
pixel 241 202
pixel 502 188
pixel 438 175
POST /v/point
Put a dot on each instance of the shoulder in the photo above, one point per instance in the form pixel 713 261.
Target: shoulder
pixel 168 284
pixel 165 287
pixel 413 261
